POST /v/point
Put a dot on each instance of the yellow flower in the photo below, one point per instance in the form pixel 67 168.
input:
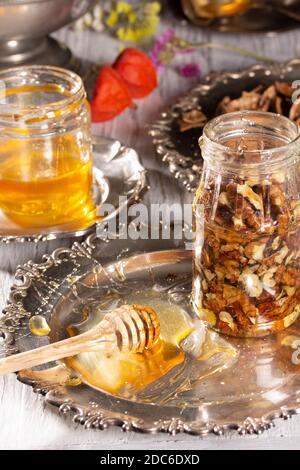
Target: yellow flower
pixel 112 19
pixel 152 8
pixel 132 17
pixel 120 8
pixel 134 34
pixel 127 35
pixel 133 23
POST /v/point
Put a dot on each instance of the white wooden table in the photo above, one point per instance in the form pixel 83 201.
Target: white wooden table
pixel 25 422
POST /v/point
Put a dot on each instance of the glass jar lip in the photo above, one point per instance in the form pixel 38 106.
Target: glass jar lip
pixel 208 139
pixel 77 90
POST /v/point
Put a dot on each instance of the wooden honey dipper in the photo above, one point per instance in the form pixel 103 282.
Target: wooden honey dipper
pixel 130 328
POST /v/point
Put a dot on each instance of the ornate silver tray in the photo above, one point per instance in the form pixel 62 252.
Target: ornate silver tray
pixel 119 180
pixel 180 150
pixel 214 384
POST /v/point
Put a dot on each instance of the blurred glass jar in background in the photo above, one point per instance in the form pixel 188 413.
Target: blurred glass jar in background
pixel 247 225
pixel 215 8
pixel 210 9
pixel 45 147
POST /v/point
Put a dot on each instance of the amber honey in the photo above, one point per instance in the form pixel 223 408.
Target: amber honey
pixel 117 372
pixel 45 148
pixel 38 192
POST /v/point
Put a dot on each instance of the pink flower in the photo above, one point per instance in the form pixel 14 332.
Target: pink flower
pixel 160 46
pixel 191 70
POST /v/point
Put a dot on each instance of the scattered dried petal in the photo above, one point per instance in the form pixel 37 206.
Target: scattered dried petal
pixel 192 120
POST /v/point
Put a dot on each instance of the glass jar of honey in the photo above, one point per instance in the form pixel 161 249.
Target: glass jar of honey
pixel 247 225
pixel 45 148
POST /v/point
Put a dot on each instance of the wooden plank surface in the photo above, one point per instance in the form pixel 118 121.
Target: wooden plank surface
pixel 25 421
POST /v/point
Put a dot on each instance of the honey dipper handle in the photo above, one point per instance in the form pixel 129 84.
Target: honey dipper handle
pixel 52 352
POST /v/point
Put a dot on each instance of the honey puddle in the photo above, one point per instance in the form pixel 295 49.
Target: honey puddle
pixel 190 367
pixel 185 354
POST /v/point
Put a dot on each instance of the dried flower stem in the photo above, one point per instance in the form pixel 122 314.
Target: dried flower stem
pixel 232 48
pixel 168 45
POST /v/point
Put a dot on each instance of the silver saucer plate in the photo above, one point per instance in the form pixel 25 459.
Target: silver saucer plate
pixel 195 397
pixel 180 150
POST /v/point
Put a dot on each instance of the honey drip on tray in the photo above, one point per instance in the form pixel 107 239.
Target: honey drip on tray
pixel 131 375
pixel 38 325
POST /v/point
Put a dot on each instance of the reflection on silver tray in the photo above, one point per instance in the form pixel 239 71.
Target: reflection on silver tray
pixel 117 172
pixel 180 150
pixel 261 383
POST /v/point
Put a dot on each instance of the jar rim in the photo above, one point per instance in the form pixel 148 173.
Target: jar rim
pixel 76 88
pixel 270 156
